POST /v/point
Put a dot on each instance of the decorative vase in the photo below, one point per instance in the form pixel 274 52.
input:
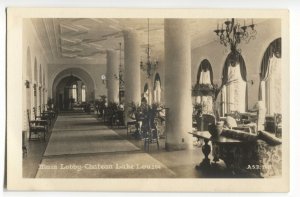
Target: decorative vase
pixel 216 130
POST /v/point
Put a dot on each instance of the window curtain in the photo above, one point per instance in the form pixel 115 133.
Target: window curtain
pixel 270 76
pixel 234 84
pixel 74 92
pixel 236 90
pixel 205 76
pixel 83 93
pixel 157 91
pixel 205 73
pixel 146 94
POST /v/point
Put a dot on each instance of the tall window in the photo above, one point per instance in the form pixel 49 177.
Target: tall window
pixel 146 94
pixel 83 92
pixel 157 89
pixel 234 84
pixel 205 81
pixel 271 78
pixel 74 92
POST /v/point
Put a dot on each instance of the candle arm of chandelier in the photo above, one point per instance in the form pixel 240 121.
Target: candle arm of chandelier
pixel 234 33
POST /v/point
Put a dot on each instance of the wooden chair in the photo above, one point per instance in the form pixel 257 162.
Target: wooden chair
pixel 24 147
pixel 120 118
pixel 45 115
pixel 278 125
pixel 36 128
pixel 151 137
pixel 271 123
pixel 40 120
pixel 131 124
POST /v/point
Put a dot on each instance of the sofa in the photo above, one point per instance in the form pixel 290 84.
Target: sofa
pixel 259 155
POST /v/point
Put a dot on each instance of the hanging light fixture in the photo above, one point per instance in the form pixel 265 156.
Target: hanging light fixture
pixel 120 77
pixel 234 33
pixel 150 66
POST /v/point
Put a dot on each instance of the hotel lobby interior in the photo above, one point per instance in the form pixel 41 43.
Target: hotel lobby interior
pixel 152 98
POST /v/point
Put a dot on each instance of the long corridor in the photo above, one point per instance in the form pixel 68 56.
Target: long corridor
pixel 81 146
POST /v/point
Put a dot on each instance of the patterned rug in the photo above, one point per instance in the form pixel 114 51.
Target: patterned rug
pixel 84 134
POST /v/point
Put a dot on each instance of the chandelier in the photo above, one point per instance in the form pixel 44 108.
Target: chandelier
pixel 120 77
pixel 150 66
pixel 234 33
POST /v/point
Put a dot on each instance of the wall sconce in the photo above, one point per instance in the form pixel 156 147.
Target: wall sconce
pixel 27 84
pixel 103 77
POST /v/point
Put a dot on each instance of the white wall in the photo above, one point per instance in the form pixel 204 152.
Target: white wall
pixel 31 42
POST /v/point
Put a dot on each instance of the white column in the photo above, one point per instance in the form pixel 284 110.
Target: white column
pixel 132 67
pixel 111 73
pixel 178 97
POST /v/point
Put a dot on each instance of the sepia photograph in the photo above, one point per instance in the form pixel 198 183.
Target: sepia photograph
pixel 148 98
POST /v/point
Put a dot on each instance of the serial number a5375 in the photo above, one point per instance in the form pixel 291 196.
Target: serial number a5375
pixel 258 167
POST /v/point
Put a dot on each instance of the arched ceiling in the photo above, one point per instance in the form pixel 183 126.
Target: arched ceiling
pixel 85 40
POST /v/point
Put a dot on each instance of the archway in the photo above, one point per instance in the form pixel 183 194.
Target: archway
pixel 35 83
pixel 28 80
pixel 65 78
pixel 71 93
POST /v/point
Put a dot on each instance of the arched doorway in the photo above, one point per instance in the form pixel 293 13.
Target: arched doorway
pixel 72 85
pixel 71 93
